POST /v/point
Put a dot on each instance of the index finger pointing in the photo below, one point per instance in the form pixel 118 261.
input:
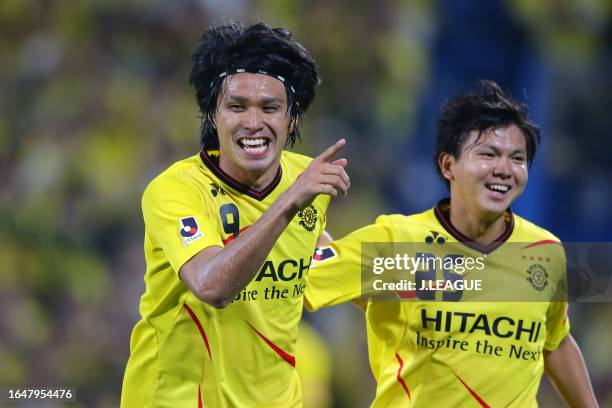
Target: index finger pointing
pixel 331 151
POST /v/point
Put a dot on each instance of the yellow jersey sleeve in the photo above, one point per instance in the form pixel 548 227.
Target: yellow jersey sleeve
pixel 335 274
pixel 557 320
pixel 322 201
pixel 557 326
pixel 179 219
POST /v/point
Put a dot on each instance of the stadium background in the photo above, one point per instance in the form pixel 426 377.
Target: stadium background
pixel 95 102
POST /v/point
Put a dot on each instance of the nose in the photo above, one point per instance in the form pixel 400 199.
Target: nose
pixel 502 168
pixel 253 120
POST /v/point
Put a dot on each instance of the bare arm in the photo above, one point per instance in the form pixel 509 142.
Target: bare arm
pixel 216 274
pixel 324 239
pixel 566 369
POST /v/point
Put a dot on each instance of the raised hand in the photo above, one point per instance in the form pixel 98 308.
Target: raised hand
pixel 324 175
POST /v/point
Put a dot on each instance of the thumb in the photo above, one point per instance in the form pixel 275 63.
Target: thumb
pixel 340 162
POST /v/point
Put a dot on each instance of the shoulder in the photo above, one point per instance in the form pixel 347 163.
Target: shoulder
pixel 176 180
pixel 403 219
pixel 408 226
pixel 526 231
pixel 539 240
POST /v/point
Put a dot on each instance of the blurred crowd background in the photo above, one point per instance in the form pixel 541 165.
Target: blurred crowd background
pixel 96 102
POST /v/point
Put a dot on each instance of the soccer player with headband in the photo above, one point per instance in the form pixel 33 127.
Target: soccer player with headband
pixel 229 233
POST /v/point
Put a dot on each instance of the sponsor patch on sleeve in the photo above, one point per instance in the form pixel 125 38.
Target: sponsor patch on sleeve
pixel 323 254
pixel 190 231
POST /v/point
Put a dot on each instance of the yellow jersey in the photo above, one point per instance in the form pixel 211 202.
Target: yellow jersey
pixel 186 353
pixel 440 346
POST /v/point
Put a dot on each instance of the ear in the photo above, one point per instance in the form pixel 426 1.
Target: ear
pixel 446 161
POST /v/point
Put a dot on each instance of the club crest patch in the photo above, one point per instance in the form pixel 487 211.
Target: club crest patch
pixel 308 217
pixel 537 276
pixel 190 231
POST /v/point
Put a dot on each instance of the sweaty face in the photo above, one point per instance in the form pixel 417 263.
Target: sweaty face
pixel 490 173
pixel 252 123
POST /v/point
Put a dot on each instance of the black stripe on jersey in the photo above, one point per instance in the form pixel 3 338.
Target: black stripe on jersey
pixel 235 184
pixel 443 215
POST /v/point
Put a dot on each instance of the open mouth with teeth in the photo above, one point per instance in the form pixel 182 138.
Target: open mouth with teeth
pixel 254 146
pixel 498 188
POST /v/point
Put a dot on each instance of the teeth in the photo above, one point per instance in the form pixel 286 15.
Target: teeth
pixel 499 187
pixel 256 150
pixel 252 142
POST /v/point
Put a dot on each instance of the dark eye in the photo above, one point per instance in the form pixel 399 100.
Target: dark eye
pixel 235 107
pixel 270 109
pixel 487 154
pixel 519 159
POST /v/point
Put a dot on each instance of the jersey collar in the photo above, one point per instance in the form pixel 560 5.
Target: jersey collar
pixel 442 212
pixel 213 165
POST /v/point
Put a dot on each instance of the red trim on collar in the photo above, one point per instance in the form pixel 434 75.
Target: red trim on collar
pixel 444 219
pixel 235 184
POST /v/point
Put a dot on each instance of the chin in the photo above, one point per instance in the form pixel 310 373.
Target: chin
pixel 257 166
pixel 493 210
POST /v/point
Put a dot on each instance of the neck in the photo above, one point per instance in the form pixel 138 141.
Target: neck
pixel 255 180
pixel 481 230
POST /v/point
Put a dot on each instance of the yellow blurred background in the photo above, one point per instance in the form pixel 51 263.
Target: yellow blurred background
pixel 96 102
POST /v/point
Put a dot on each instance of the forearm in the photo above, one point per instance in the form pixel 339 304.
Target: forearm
pixel 222 274
pixel 567 371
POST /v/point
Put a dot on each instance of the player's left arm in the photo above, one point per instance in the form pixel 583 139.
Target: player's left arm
pixel 324 239
pixel 566 369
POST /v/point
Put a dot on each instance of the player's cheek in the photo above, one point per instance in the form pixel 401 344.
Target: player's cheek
pixel 522 175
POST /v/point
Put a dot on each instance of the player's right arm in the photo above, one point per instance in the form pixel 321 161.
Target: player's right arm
pixel 568 373
pixel 216 274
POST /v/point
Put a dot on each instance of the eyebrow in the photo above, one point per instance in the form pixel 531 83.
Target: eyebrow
pixel 496 149
pixel 263 101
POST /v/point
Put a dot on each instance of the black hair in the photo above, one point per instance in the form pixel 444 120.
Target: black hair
pixel 256 48
pixel 486 106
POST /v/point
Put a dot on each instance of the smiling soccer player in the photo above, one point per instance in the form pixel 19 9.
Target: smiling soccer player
pixel 438 348
pixel 229 233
